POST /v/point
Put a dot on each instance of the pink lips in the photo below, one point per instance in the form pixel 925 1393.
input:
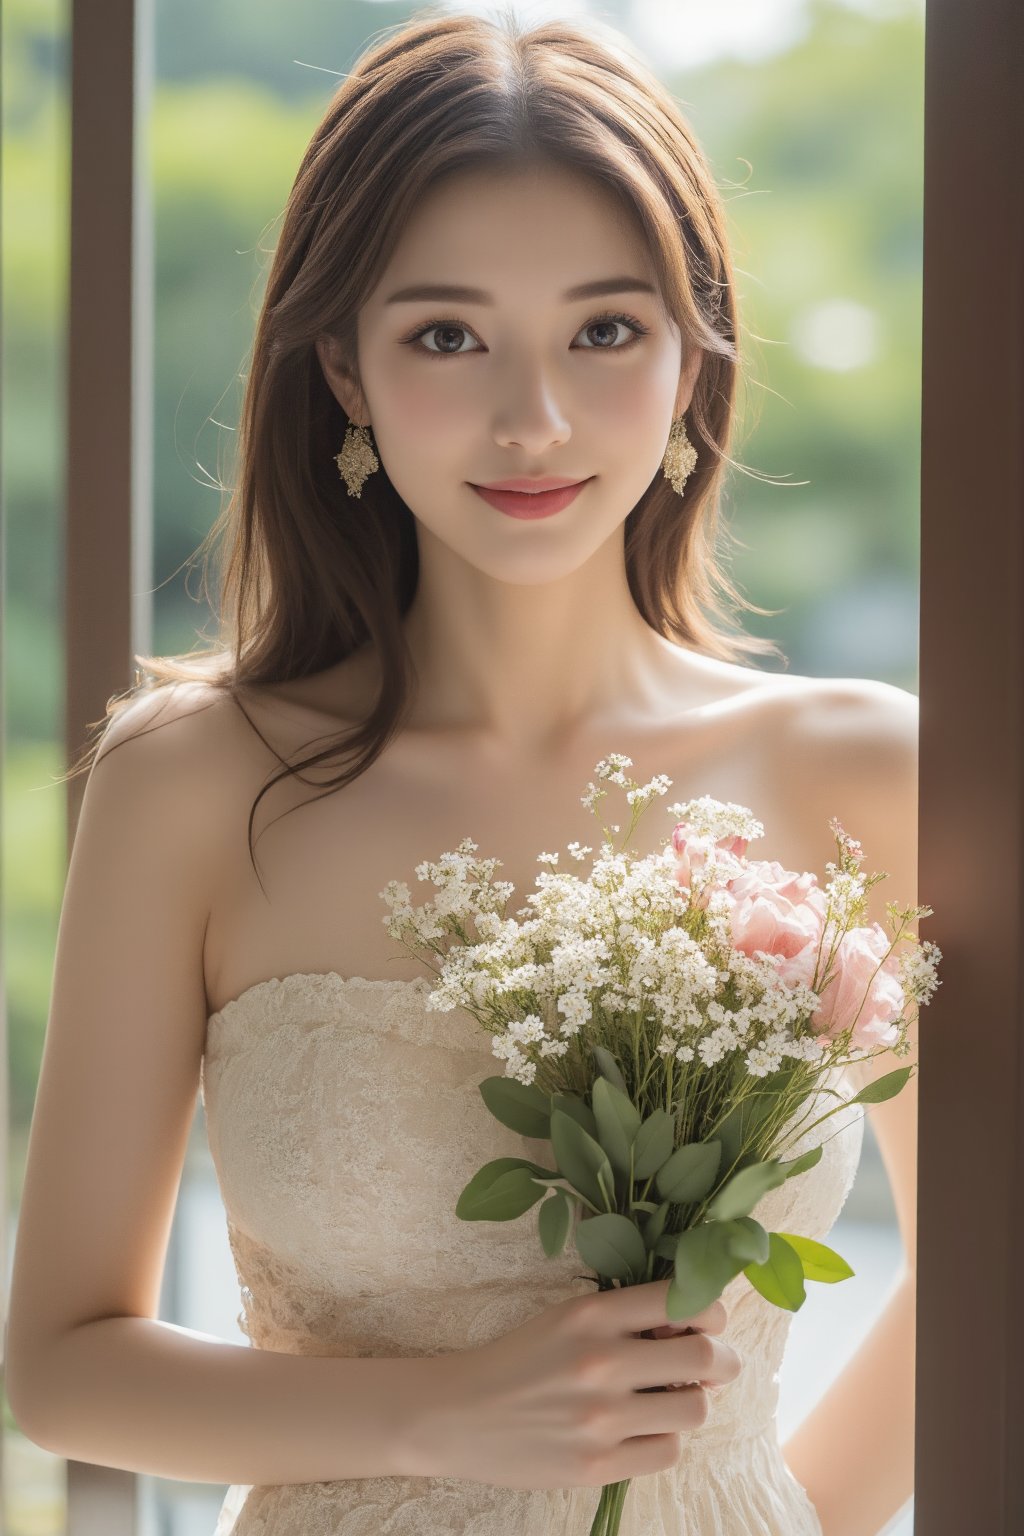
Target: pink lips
pixel 527 504
pixel 524 483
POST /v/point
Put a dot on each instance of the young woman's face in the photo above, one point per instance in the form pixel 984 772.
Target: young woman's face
pixel 520 378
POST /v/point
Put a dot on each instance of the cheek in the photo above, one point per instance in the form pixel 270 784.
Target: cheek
pixel 635 392
pixel 642 418
pixel 409 388
pixel 419 407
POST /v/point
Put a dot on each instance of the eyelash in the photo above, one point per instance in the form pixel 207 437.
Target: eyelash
pixel 637 326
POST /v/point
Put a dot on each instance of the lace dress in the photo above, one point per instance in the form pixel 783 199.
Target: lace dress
pixel 344 1121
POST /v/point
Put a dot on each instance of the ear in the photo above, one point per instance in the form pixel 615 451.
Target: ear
pixel 688 380
pixel 340 381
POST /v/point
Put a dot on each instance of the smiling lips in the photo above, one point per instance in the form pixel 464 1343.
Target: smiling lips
pixel 528 483
pixel 511 497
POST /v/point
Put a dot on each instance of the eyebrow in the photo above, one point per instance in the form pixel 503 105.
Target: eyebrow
pixel 462 295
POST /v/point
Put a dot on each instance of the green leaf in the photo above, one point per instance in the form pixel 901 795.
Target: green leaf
pixel 739 1127
pixel 609 1067
pixel 666 1246
pixel 501 1190
pixel 781 1279
pixel 654 1226
pixel 690 1172
pixel 652 1147
pixel 819 1262
pixel 553 1219
pixel 703 1268
pixel 883 1088
pixel 617 1123
pixel 520 1106
pixel 803 1162
pixel 606 1179
pixel 732 1132
pixel 746 1239
pixel 571 1104
pixel 741 1193
pixel 581 1159
pixel 611 1244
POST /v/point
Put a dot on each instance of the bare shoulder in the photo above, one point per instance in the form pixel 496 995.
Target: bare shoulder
pixel 176 721
pixel 862 727
pixel 850 747
pixel 184 744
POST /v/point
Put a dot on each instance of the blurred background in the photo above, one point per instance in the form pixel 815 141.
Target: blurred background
pixel 811 113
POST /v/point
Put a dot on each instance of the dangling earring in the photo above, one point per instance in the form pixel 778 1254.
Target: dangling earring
pixel 356 459
pixel 680 456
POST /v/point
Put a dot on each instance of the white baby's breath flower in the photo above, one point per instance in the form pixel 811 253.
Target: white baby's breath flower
pixel 592 795
pixel 611 767
pixel 659 785
pixel 761 1061
pixel 917 973
pixel 525 1031
pixel 669 1047
pixel 521 978
pixel 716 1045
pixel 717 819
pixel 517 1065
pixel 554 1047
pixel 845 893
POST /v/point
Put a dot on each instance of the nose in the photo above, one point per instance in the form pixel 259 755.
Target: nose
pixel 530 417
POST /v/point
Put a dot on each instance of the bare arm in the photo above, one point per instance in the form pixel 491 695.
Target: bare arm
pixel 92 1374
pixel 861 744
pixel 152 1397
pixel 854 1453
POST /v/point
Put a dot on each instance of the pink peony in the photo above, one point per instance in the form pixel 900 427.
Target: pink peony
pixel 781 913
pixel 854 971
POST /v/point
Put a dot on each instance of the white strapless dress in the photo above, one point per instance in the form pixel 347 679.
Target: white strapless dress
pixel 344 1121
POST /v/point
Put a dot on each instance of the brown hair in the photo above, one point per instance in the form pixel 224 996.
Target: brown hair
pixel 306 575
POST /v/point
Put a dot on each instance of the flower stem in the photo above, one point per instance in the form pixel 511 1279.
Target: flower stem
pixel 609 1509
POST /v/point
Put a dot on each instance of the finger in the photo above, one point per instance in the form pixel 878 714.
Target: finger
pixel 634 1308
pixel 691 1361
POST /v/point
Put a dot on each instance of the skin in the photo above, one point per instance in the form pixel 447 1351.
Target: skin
pixel 533 663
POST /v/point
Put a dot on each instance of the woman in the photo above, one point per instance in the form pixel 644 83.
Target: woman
pixel 480 215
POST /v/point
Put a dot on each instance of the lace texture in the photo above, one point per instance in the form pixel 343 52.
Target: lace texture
pixel 344 1120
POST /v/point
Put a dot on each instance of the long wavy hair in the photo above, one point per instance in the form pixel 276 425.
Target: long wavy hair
pixel 306 575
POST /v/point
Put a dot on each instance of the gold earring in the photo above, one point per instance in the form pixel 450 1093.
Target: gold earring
pixel 356 459
pixel 680 456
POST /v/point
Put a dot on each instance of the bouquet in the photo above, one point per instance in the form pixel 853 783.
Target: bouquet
pixel 663 1022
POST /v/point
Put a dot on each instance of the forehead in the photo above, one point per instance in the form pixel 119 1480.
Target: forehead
pixel 530 232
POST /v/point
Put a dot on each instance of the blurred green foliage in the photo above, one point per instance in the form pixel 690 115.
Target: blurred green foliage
pixel 818 152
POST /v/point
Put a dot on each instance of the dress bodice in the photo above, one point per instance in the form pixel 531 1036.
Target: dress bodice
pixel 344 1121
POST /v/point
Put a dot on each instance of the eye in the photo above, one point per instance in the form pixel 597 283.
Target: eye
pixel 602 322
pixel 448 325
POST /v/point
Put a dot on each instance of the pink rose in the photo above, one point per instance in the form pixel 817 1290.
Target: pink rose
pixel 735 845
pixel 781 913
pixel 856 973
pixel 692 849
